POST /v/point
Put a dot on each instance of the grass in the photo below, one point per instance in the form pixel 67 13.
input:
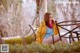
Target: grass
pixel 28 40
pixel 34 47
pixel 16 46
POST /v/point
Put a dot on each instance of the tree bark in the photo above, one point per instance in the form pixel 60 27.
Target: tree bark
pixel 45 6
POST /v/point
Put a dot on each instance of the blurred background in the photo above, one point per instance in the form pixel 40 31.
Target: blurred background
pixel 17 15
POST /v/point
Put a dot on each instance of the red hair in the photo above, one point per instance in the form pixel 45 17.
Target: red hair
pixel 46 19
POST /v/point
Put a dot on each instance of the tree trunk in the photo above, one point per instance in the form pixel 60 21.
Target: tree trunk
pixel 45 6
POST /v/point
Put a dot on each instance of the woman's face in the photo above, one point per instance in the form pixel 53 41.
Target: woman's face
pixel 50 18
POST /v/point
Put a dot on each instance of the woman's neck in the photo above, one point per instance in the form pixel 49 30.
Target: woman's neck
pixel 50 24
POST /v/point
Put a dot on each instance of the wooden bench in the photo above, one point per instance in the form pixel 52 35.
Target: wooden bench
pixel 70 23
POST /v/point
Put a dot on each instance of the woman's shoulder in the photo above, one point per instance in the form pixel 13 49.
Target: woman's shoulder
pixel 42 22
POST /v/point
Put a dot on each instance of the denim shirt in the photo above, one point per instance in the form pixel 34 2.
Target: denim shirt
pixel 49 32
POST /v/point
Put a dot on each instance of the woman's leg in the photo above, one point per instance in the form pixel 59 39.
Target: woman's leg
pixel 64 40
pixel 49 40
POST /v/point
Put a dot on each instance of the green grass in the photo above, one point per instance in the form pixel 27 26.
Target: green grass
pixel 16 46
pixel 40 48
pixel 28 40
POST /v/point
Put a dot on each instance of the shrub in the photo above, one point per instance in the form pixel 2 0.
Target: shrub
pixel 40 48
pixel 28 40
pixel 33 47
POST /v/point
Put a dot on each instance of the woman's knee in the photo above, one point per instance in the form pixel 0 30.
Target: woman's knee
pixel 47 41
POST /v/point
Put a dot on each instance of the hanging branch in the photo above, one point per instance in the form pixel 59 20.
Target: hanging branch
pixel 39 3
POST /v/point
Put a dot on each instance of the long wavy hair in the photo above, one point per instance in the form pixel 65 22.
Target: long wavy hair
pixel 47 19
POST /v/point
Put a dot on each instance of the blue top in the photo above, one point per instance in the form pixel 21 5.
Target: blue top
pixel 49 32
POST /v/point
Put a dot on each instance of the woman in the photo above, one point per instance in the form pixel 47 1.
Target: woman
pixel 46 30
